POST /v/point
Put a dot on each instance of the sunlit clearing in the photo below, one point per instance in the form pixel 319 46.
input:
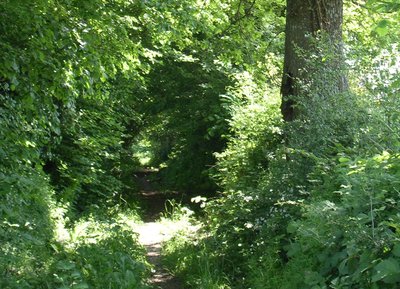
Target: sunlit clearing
pixel 178 220
pixel 143 152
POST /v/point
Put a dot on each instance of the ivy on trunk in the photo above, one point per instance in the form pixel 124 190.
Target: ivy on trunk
pixel 304 19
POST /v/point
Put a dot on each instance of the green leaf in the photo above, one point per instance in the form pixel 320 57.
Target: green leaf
pixel 396 250
pixel 292 228
pixel 382 28
pixel 81 286
pixel 65 265
pixel 294 249
pixel 387 271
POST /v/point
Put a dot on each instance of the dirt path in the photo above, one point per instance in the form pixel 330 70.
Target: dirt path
pixel 152 233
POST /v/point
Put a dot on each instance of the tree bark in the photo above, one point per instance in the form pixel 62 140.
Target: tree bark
pixel 304 18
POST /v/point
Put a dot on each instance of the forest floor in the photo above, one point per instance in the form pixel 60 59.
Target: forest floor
pixel 153 232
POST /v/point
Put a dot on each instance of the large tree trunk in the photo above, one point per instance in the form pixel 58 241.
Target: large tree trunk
pixel 304 18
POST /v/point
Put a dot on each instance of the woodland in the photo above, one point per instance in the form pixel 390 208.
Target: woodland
pixel 274 126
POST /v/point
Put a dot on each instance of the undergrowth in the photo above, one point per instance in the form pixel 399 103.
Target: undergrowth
pixel 99 250
pixel 307 204
pixel 104 250
pixel 182 254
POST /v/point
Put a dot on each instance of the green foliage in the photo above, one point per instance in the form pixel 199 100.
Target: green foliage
pixel 85 165
pixel 313 203
pixel 55 75
pixel 87 86
pixel 57 70
pixel 25 197
pixel 186 111
pixel 100 250
pixel 195 263
pixel 187 123
pixel 351 232
pixel 235 220
pixel 31 253
pixel 189 257
pixel 254 133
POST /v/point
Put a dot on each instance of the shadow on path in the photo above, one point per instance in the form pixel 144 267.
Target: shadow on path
pixel 153 233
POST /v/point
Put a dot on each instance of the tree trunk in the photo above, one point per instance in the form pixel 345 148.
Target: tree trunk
pixel 304 18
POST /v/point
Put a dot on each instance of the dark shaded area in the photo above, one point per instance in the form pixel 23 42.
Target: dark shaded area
pixel 186 120
pixel 154 201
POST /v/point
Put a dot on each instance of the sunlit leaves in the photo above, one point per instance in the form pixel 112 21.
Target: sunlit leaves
pixel 384 6
pixel 388 12
pixel 382 28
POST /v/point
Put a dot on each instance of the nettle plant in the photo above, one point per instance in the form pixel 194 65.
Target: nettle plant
pixel 349 231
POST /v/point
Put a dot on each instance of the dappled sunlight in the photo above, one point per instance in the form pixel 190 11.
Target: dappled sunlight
pixel 104 239
pixel 163 230
pixel 282 117
pixel 152 233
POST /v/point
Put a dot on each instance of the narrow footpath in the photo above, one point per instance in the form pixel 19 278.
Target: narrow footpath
pixel 152 233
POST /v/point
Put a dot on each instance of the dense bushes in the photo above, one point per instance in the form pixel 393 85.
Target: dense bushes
pixel 100 250
pixel 185 122
pixel 353 230
pixel 26 226
pixel 61 140
pixel 312 203
pixel 307 204
pixel 83 168
pixel 332 225
pixel 186 111
pixel 255 131
pixel 37 250
pixel 85 165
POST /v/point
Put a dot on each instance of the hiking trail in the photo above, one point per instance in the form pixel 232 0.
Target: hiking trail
pixel 153 232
